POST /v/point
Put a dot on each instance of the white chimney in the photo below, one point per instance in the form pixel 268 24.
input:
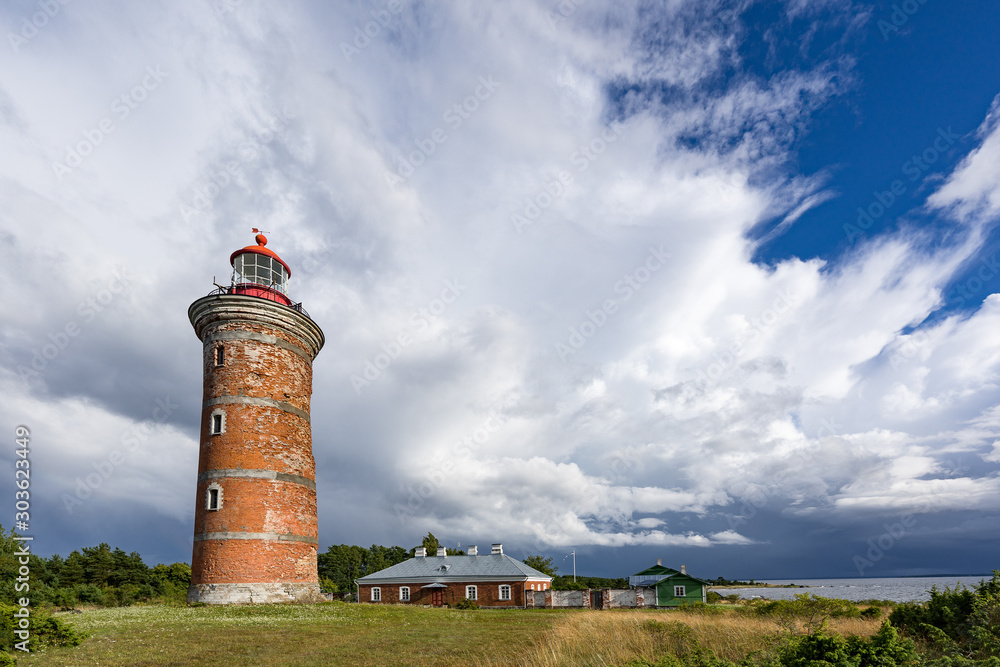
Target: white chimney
pixel 421 552
pixel 473 550
pixel 659 561
pixel 497 549
pixel 442 552
pixel 684 569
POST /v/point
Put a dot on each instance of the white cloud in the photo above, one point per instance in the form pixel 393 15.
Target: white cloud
pixel 715 382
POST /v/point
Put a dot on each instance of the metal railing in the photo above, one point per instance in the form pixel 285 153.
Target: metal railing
pixel 219 291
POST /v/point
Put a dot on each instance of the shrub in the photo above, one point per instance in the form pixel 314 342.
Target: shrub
pixel 712 597
pixel 871 612
pixel 90 594
pixel 956 620
pixel 809 610
pixel 466 603
pixel 884 649
pixel 46 630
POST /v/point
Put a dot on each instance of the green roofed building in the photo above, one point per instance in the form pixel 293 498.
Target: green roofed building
pixel 673 587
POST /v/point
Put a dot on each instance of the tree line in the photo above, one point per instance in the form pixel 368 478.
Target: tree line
pixel 105 576
pixel 98 575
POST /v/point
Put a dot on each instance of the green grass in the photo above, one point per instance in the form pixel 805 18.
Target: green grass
pixel 323 634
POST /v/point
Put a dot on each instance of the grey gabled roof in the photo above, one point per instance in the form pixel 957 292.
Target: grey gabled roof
pixel 455 568
pixel 653 579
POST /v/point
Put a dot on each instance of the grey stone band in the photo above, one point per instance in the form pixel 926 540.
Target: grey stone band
pixel 262 338
pixel 273 537
pixel 211 312
pixel 254 593
pixel 258 474
pixel 259 402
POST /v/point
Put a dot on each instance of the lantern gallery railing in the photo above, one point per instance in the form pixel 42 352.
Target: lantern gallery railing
pixel 261 292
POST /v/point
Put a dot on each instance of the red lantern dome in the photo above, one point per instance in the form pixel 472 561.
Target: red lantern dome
pixel 258 271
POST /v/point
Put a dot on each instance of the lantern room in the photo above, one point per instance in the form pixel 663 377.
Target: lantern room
pixel 258 271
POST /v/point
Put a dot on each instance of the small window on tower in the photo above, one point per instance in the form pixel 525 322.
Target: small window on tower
pixel 220 356
pixel 213 497
pixel 216 424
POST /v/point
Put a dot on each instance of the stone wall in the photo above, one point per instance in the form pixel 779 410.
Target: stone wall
pixel 610 598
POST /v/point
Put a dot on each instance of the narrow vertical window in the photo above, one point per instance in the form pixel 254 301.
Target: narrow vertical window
pixel 470 592
pixel 505 592
pixel 213 497
pixel 216 424
pixel 220 355
pixel 376 594
pixel 404 594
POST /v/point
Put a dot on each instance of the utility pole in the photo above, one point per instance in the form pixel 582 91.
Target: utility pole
pixel 573 554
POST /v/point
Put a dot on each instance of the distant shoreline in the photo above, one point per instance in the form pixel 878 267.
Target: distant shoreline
pixel 758 585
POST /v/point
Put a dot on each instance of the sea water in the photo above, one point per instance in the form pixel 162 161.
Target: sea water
pixel 897 589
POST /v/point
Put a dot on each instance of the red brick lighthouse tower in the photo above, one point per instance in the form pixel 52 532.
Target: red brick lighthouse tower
pixel 255 528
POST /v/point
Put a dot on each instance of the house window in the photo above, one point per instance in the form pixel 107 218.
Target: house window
pixel 220 356
pixel 376 594
pixel 218 424
pixel 470 592
pixel 505 592
pixel 679 592
pixel 404 593
pixel 213 497
pixel 532 587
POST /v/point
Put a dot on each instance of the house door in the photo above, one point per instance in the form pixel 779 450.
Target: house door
pixel 437 598
pixel 596 600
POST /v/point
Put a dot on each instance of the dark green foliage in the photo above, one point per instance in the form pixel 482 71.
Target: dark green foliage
pixel 816 649
pixel 956 622
pixel 45 629
pixel 431 544
pixel 564 582
pixel 713 598
pixel 544 565
pixel 97 575
pixel 722 581
pixel 809 610
pixel 959 661
pixel 871 612
pixel 466 603
pixel 343 563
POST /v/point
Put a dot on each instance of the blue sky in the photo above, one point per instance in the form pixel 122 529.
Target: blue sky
pixel 670 338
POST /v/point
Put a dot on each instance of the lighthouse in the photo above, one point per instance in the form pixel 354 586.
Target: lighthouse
pixel 255 527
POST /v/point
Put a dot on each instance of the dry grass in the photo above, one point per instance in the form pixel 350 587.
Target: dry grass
pixel 338 634
pixel 584 638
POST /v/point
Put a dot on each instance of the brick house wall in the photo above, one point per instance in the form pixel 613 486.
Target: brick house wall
pixel 487 593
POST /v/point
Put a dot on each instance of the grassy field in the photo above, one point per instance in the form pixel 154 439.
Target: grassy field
pixel 339 634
